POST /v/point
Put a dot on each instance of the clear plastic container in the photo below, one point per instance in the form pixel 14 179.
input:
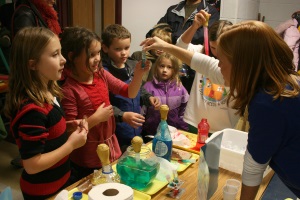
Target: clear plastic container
pixel 138 169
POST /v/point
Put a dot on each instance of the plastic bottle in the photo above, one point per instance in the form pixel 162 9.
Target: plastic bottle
pixel 203 130
pixel 162 142
pixel 107 174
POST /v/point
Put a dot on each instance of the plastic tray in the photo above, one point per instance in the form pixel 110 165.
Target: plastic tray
pixel 137 195
pixel 182 166
pixel 153 187
pixel 194 146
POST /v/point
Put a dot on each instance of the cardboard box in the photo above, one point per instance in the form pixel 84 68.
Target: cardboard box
pixel 233 147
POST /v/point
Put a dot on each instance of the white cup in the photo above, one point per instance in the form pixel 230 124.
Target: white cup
pixel 229 192
pixel 233 182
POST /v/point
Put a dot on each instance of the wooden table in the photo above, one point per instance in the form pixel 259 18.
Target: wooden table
pixel 190 176
pixel 190 184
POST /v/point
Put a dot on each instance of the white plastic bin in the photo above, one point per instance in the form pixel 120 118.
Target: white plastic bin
pixel 233 147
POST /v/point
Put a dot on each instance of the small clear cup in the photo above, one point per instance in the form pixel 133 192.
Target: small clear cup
pixel 233 182
pixel 229 192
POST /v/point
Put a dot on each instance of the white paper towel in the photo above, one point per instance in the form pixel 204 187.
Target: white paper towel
pixel 111 191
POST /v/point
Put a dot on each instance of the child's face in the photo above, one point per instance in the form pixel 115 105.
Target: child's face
pixel 213 47
pixel 93 62
pixel 51 63
pixel 165 69
pixel 118 51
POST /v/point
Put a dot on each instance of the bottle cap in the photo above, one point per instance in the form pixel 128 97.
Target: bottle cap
pixel 137 144
pixel 77 195
pixel 164 109
pixel 103 153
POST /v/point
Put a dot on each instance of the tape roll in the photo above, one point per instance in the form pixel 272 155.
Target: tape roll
pixel 111 191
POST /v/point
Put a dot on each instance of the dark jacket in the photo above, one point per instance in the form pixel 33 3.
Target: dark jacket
pixel 124 131
pixel 175 18
pixel 26 15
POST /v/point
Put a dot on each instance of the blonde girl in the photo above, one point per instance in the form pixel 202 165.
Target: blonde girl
pixel 37 119
pixel 166 85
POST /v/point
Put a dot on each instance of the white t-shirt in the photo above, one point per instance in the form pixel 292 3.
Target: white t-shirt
pixel 208 96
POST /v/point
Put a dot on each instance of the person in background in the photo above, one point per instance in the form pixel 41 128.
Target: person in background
pixel 35 13
pixel 5 43
pixel 180 17
pixel 290 32
pixel 116 41
pixel 208 95
pixel 37 119
pixel 163 31
pixel 86 93
pixel 166 85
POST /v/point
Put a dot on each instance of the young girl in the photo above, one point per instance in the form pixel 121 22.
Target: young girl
pixel 164 32
pixel 167 86
pixel 37 120
pixel 207 102
pixel 86 92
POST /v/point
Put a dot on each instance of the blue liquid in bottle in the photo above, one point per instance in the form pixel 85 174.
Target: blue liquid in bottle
pixel 162 142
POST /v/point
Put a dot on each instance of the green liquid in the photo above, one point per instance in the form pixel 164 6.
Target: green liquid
pixel 137 174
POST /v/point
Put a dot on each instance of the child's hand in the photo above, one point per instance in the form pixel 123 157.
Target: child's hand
pixel 72 125
pixel 79 136
pixel 139 70
pixel 104 113
pixel 155 102
pixel 135 120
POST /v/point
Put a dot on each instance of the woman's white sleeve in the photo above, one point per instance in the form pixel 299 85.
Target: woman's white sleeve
pixel 190 47
pixel 252 171
pixel 208 66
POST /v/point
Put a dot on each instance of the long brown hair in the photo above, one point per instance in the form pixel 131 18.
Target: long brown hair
pixel 24 83
pixel 75 40
pixel 176 64
pixel 260 60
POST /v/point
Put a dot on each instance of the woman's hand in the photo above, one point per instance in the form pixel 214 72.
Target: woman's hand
pixel 153 43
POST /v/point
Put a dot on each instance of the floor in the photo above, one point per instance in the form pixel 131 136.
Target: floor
pixel 9 175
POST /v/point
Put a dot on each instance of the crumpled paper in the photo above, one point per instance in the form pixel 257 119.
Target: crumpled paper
pixel 178 138
pixel 166 169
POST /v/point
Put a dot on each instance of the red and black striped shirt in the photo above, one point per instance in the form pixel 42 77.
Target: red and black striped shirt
pixel 39 130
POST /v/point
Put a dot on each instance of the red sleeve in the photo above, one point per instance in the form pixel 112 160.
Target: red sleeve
pixel 115 85
pixel 124 91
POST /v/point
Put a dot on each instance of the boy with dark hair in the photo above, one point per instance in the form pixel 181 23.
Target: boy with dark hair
pixel 116 41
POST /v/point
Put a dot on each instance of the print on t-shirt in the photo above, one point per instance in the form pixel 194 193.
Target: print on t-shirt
pixel 212 94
